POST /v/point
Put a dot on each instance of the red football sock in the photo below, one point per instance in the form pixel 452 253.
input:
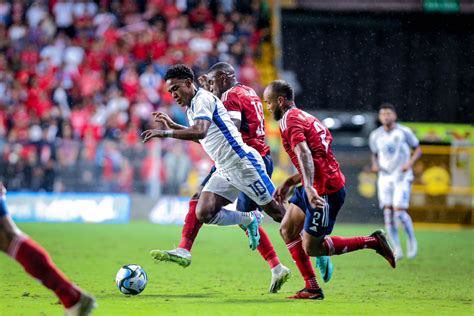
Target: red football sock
pixel 266 250
pixel 336 245
pixel 37 262
pixel 303 262
pixel 191 227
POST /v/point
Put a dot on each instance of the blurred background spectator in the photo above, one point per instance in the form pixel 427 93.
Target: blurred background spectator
pixel 79 80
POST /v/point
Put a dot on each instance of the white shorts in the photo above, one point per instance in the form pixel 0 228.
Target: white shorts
pixel 394 190
pixel 247 176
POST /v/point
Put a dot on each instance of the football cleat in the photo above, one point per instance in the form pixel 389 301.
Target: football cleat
pixel 398 253
pixel 412 248
pixel 279 278
pixel 308 294
pixel 384 248
pixel 252 230
pixel 82 308
pixel 180 256
pixel 325 266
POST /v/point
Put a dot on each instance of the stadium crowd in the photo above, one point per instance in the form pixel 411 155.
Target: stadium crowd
pixel 79 80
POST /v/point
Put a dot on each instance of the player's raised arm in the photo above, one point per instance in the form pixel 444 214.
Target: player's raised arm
pixel 305 160
pixel 196 132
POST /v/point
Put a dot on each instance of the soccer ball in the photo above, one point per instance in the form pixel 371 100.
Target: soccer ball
pixel 131 279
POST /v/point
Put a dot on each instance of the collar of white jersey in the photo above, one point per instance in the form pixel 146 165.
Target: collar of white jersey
pixel 395 127
pixel 194 97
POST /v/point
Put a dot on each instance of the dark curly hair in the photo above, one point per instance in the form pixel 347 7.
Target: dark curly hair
pixel 283 88
pixel 179 71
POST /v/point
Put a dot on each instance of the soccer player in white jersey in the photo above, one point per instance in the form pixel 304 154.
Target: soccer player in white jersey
pixel 391 145
pixel 239 168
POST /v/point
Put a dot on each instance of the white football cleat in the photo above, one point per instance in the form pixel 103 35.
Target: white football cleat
pixel 280 275
pixel 398 253
pixel 180 256
pixel 412 248
pixel 82 308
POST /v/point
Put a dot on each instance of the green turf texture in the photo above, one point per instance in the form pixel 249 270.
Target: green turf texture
pixel 226 278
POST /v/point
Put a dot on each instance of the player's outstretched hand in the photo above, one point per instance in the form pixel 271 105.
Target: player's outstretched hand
pixel 314 199
pixel 152 133
pixel 281 193
pixel 163 118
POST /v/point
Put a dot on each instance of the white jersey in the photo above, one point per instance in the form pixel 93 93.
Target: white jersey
pixel 393 148
pixel 223 142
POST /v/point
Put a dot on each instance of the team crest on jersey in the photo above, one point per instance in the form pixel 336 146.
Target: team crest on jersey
pixel 390 149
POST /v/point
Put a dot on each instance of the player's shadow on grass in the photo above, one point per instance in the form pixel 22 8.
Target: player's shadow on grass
pixel 176 296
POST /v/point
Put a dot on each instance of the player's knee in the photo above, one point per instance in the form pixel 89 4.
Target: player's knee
pixel 309 250
pixel 202 217
pixel 313 250
pixel 313 246
pixel 287 233
pixel 205 214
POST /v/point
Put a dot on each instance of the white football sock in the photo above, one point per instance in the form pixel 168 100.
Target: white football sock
pixel 391 225
pixel 407 223
pixel 225 218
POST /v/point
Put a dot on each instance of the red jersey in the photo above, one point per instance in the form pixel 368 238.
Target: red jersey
pixel 297 126
pixel 244 104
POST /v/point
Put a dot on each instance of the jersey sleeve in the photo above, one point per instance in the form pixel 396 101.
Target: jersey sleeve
pixel 412 140
pixel 203 108
pixel 295 131
pixel 233 106
pixel 372 143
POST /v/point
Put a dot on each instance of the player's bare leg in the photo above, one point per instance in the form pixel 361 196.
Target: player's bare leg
pixel 275 211
pixel 336 245
pixel 290 230
pixel 210 211
pixel 37 262
pixel 405 219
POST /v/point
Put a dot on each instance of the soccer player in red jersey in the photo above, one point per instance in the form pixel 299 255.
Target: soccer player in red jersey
pixel 246 111
pixel 37 263
pixel 316 203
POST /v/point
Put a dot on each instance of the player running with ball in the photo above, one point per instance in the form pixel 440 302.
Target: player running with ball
pixel 246 111
pixel 239 167
pixel 316 203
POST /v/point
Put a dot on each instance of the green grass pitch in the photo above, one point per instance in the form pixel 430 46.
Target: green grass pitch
pixel 226 278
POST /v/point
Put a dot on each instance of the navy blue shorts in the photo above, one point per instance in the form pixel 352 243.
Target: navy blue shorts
pixel 319 222
pixel 3 208
pixel 244 203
